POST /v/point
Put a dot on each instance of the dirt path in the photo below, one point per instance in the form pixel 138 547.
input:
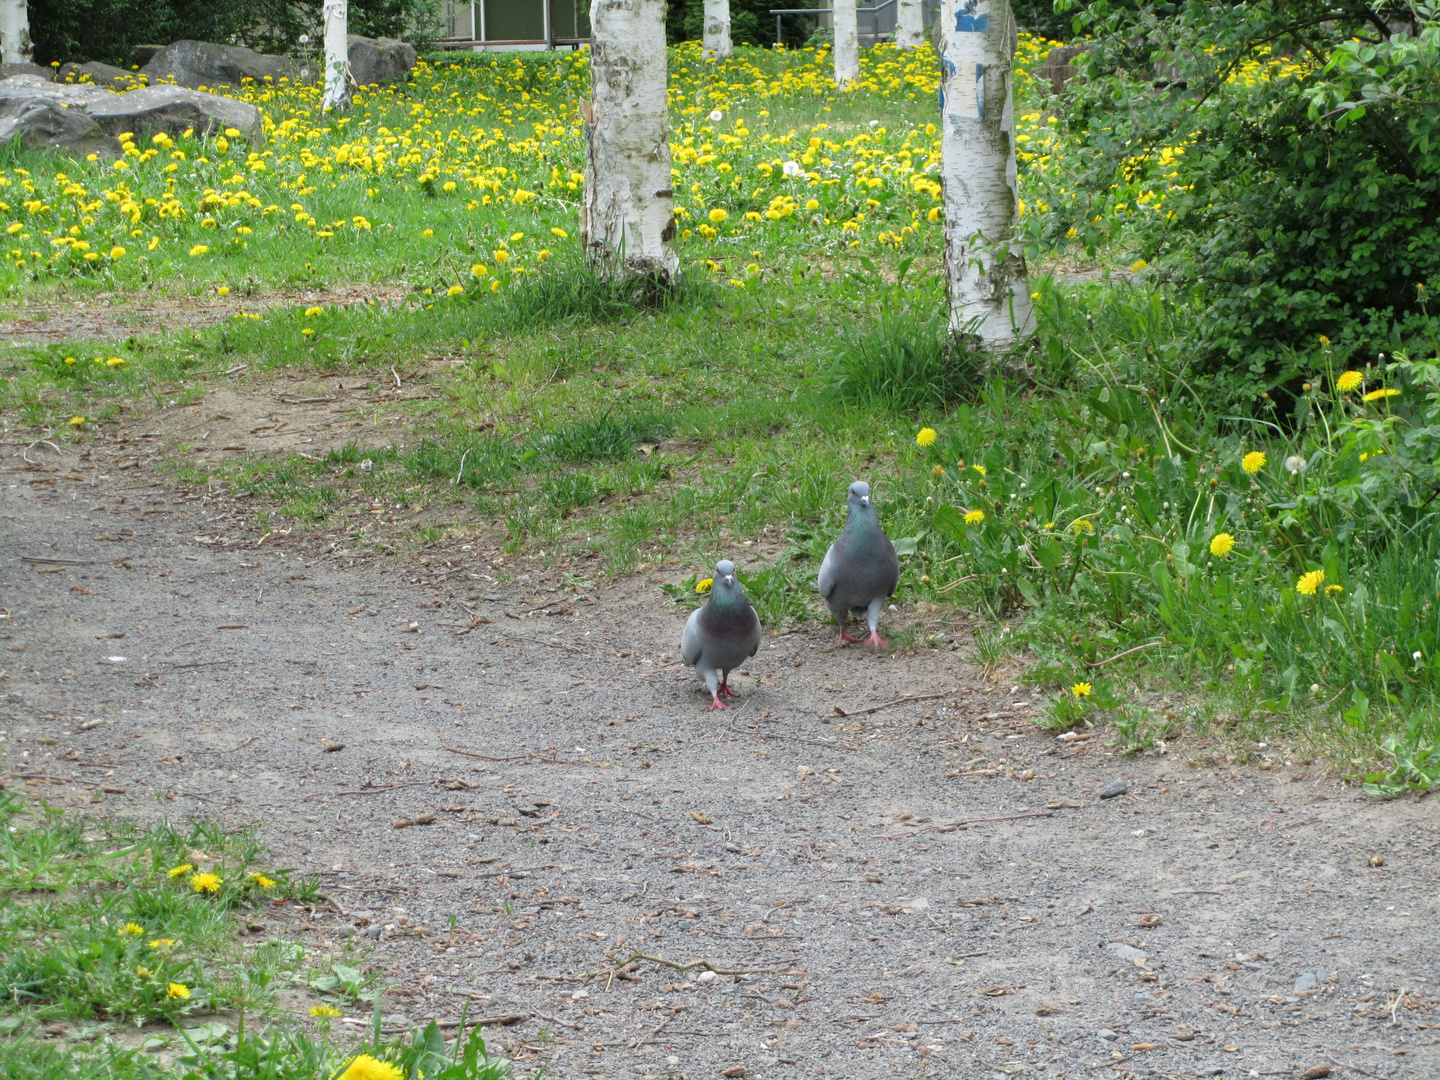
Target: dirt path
pixel 1208 922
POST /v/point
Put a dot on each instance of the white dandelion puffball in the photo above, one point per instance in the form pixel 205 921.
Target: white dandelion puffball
pixel 791 168
pixel 716 116
pixel 1296 464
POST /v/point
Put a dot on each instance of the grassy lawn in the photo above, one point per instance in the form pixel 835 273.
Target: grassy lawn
pixel 128 947
pixel 1123 530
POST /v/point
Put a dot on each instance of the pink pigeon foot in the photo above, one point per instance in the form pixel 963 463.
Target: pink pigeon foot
pixel 846 639
pixel 725 690
pixel 718 704
pixel 875 639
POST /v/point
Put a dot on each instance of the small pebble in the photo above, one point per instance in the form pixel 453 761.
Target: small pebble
pixel 1114 788
pixel 706 977
pixel 1306 981
pixel 1106 1035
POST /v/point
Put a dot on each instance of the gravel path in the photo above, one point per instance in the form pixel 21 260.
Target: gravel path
pixel 573 805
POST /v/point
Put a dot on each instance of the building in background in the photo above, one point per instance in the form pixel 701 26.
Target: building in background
pixel 516 24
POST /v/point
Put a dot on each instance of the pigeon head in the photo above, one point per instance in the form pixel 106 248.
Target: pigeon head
pixel 859 498
pixel 725 573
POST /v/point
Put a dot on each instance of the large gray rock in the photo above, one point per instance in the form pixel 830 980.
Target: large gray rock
pixel 84 119
pixel 1059 67
pixel 6 70
pixel 379 60
pixel 97 74
pixel 199 63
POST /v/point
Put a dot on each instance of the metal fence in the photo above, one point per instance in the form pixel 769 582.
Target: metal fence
pixel 876 23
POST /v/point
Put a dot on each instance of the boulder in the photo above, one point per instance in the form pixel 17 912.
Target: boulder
pixel 78 118
pixel 140 55
pixel 6 70
pixel 198 63
pixel 97 74
pixel 1058 69
pixel 379 60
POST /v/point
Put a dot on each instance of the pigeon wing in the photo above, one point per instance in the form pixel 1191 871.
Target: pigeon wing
pixel 829 574
pixel 690 641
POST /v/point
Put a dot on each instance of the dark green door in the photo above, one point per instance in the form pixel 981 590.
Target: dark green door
pixel 514 20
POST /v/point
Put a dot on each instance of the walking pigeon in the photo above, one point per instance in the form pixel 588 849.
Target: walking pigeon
pixel 861 568
pixel 721 635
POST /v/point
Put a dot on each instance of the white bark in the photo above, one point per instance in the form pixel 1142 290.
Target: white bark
pixel 627 218
pixel 847 43
pixel 15 44
pixel 716 35
pixel 337 56
pixel 989 294
pixel 909 24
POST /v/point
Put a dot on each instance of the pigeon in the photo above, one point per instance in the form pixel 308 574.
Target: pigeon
pixel 722 635
pixel 861 568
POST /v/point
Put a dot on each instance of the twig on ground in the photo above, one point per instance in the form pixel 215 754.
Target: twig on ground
pixel 1127 652
pixel 947 826
pixel 557 1020
pixel 384 787
pixel 1352 1068
pixel 616 969
pixel 553 760
pixel 888 704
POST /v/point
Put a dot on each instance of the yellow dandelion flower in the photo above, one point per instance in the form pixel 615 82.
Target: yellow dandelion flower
pixel 69 360
pixel 142 972
pixel 1309 583
pixel 307 331
pixel 325 1010
pixel 179 871
pixel 557 231
pixel 365 1067
pixel 933 215
pixel 1138 265
pixel 178 991
pixel 454 290
pixel 261 880
pixel 501 255
pixel 717 215
pixel 1221 544
pixel 117 252
pixel 223 290
pixel 1334 590
pixel 1080 526
pixel 974 517
pixel 1324 341
pixel 428 233
pixel 479 270
pixel 76 421
pixel 1081 689
pixel 199 249
pixel 704 585
pixel 131 929
pixel 926 437
pixel 311 312
pixel 1253 462
pixel 206 883
pixel 163 944
pixel 115 361
pixel 938 471
pixel 980 469
pixel 1350 380
pixel 1379 395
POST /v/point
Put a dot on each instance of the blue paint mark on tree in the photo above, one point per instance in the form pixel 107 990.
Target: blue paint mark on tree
pixel 967 22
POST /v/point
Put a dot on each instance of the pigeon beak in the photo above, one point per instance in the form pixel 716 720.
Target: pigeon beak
pixel 729 579
pixel 864 500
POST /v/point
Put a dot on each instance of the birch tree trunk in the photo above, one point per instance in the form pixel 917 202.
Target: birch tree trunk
pixel 716 36
pixel 909 24
pixel 847 43
pixel 337 56
pixel 15 44
pixel 989 293
pixel 627 218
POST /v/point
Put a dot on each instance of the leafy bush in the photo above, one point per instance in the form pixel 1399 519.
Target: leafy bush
pixel 1296 175
pixel 108 30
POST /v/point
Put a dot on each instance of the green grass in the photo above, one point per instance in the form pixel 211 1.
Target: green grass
pixel 109 927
